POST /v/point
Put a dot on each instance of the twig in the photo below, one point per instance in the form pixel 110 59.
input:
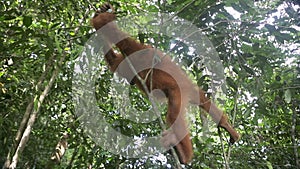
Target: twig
pixel 176 14
pixel 223 149
pixel 233 121
pixel 293 133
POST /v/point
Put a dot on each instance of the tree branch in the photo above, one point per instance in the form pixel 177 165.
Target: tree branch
pixel 38 101
pixel 293 133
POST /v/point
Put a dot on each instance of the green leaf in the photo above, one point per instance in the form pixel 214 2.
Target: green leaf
pixel 255 46
pixel 202 79
pixel 287 96
pixel 246 39
pixel 277 78
pixel 2 18
pixel 269 165
pixel 244 4
pixel 237 7
pixel 54 25
pixel 57 44
pixel 9 17
pixel 248 70
pixel 27 21
pixel 290 11
pixel 231 83
pixel 281 37
pixel 35 103
pixel 169 1
pixel 271 28
pixel 292 30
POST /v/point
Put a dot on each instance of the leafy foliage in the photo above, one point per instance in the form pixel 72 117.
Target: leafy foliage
pixel 257 41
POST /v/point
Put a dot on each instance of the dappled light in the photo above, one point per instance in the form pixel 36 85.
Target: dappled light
pixel 243 54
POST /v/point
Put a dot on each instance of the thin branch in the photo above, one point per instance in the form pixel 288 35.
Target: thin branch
pixel 30 105
pixel 293 133
pixel 33 116
pixel 27 113
pixel 233 121
pixel 75 152
pixel 226 162
pixel 176 14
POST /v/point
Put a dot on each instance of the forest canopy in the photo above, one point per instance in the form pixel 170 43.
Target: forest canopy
pixel 256 51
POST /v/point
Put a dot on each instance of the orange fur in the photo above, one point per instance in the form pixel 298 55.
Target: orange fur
pixel 179 89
